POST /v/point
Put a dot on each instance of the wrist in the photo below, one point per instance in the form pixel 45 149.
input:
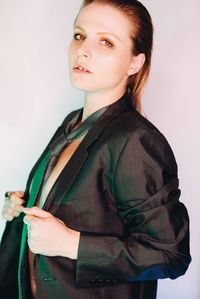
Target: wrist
pixel 75 238
pixel 71 244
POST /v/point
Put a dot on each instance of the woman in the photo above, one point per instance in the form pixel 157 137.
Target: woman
pixel 105 220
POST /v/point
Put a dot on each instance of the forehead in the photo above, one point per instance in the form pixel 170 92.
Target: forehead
pixel 98 17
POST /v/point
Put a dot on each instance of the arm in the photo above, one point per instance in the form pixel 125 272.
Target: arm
pixel 156 239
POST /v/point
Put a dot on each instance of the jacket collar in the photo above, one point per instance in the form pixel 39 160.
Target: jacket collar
pixel 73 167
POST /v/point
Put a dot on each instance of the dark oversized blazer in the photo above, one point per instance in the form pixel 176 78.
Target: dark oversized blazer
pixel 120 190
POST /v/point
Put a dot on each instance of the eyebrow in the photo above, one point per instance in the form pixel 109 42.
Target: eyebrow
pixel 99 33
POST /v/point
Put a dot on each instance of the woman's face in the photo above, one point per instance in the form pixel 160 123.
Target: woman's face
pixel 102 45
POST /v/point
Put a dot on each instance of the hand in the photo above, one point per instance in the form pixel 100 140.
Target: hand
pixel 48 235
pixel 13 205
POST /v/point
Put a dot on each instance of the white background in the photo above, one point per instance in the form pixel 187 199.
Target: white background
pixel 35 96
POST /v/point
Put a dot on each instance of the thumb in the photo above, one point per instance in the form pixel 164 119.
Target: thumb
pixel 37 212
pixel 19 193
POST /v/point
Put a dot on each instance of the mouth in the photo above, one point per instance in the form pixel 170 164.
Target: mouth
pixel 81 69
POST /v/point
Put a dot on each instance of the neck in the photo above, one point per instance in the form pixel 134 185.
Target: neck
pixel 95 101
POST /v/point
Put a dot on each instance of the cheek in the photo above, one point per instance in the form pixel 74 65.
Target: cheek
pixel 114 64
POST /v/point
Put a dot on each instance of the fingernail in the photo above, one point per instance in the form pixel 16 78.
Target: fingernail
pixel 25 219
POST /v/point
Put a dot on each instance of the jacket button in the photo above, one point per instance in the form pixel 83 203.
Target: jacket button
pixel 93 283
pixel 48 278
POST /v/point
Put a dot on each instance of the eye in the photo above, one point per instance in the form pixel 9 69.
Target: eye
pixel 78 36
pixel 108 43
pixel 75 36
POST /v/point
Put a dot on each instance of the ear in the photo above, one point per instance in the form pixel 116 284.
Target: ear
pixel 136 65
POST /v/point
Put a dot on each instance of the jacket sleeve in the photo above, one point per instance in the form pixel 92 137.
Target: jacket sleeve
pixel 156 224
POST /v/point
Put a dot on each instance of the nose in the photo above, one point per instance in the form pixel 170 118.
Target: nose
pixel 83 52
pixel 81 55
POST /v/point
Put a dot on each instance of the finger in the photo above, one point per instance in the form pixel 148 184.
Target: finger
pixel 16 213
pixel 29 220
pixel 10 214
pixel 11 210
pixel 16 199
pixel 10 206
pixel 6 214
pixel 19 193
pixel 16 207
pixel 7 203
pixel 8 217
pixel 19 208
pixel 7 210
pixel 37 212
pixel 12 203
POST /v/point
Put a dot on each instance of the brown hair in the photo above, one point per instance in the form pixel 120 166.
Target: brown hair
pixel 142 37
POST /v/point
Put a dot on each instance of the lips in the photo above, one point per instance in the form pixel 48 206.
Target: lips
pixel 82 69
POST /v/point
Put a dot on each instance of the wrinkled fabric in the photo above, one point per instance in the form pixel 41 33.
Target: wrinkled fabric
pixel 120 190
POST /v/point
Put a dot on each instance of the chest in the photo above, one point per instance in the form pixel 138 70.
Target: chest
pixel 63 159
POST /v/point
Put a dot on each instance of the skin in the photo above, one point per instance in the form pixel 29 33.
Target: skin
pixel 13 205
pixel 111 62
pixel 38 223
pixel 109 58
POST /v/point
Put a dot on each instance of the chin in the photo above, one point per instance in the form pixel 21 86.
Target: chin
pixel 85 86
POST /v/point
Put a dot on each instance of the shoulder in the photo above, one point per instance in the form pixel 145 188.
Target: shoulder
pixel 132 125
pixel 137 136
pixel 136 120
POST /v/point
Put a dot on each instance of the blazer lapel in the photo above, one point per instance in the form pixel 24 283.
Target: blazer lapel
pixel 57 133
pixel 73 167
pixel 30 199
